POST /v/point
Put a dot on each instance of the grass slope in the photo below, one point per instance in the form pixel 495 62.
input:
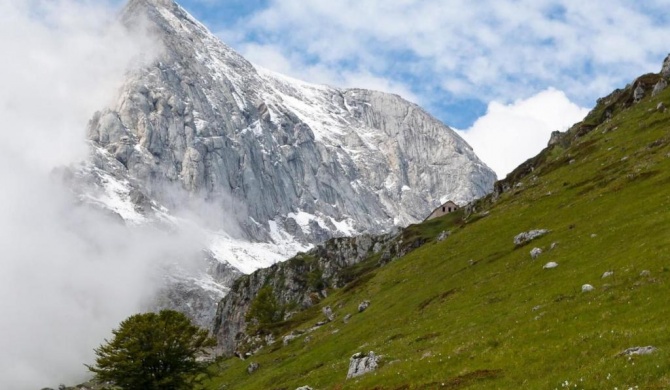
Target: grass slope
pixel 474 311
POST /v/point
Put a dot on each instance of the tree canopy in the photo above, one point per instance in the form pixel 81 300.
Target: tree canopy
pixel 264 309
pixel 153 351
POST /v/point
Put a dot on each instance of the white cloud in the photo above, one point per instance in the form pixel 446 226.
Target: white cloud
pixel 509 134
pixel 67 275
pixel 487 50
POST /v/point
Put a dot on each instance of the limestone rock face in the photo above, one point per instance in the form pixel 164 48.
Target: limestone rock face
pixel 361 364
pixel 665 69
pixel 347 160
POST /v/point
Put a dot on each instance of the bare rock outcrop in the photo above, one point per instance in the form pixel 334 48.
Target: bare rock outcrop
pixel 360 364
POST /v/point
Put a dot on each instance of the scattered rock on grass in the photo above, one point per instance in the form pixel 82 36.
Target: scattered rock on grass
pixel 648 350
pixel 607 274
pixel 253 367
pixel 328 312
pixel 645 272
pixel 658 88
pixel 363 305
pixel 525 237
pixel 587 288
pixel 346 318
pixel 535 253
pixel 550 265
pixel 361 363
pixel 304 388
pixel 290 337
pixel 443 235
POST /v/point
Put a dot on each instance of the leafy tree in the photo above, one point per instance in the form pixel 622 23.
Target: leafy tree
pixel 264 309
pixel 153 351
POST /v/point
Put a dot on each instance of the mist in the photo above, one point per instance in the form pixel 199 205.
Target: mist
pixel 68 273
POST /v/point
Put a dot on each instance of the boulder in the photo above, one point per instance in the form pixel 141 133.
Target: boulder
pixel 443 235
pixel 535 253
pixel 290 337
pixel 304 388
pixel 550 265
pixel 253 367
pixel 607 274
pixel 638 93
pixel 648 350
pixel 363 305
pixel 659 87
pixel 525 237
pixel 361 363
pixel 328 312
pixel 587 288
pixel 665 70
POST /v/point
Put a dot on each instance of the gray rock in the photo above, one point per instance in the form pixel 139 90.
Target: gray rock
pixel 555 138
pixel 360 364
pixel 328 312
pixel 587 288
pixel 660 107
pixel 286 340
pixel 659 87
pixel 638 93
pixel 550 265
pixel 607 274
pixel 535 253
pixel 648 350
pixel 442 236
pixel 645 273
pixel 304 388
pixel 525 237
pixel 346 318
pixel 363 306
pixel 665 69
pixel 253 367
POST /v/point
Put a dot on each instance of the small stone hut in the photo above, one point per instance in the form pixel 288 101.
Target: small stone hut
pixel 444 209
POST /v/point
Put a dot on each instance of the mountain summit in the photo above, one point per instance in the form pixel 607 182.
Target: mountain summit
pixel 331 161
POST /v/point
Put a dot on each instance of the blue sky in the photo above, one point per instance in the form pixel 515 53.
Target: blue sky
pixel 477 66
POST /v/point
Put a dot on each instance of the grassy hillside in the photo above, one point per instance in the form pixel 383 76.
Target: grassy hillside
pixel 475 311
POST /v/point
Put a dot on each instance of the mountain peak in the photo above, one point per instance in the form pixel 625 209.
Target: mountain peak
pixel 169 16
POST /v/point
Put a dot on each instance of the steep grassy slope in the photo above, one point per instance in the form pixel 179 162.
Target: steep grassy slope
pixel 475 311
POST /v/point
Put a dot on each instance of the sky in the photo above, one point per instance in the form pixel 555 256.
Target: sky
pixel 505 73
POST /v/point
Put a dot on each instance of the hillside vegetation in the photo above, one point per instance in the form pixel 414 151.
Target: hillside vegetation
pixel 476 311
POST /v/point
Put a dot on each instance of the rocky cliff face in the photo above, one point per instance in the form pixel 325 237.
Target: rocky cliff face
pixel 316 160
pixel 290 164
pixel 304 280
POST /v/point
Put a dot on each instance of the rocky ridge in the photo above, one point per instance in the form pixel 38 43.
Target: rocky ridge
pixel 303 281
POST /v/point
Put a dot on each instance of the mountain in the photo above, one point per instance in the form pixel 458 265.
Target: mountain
pixel 558 279
pixel 266 165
